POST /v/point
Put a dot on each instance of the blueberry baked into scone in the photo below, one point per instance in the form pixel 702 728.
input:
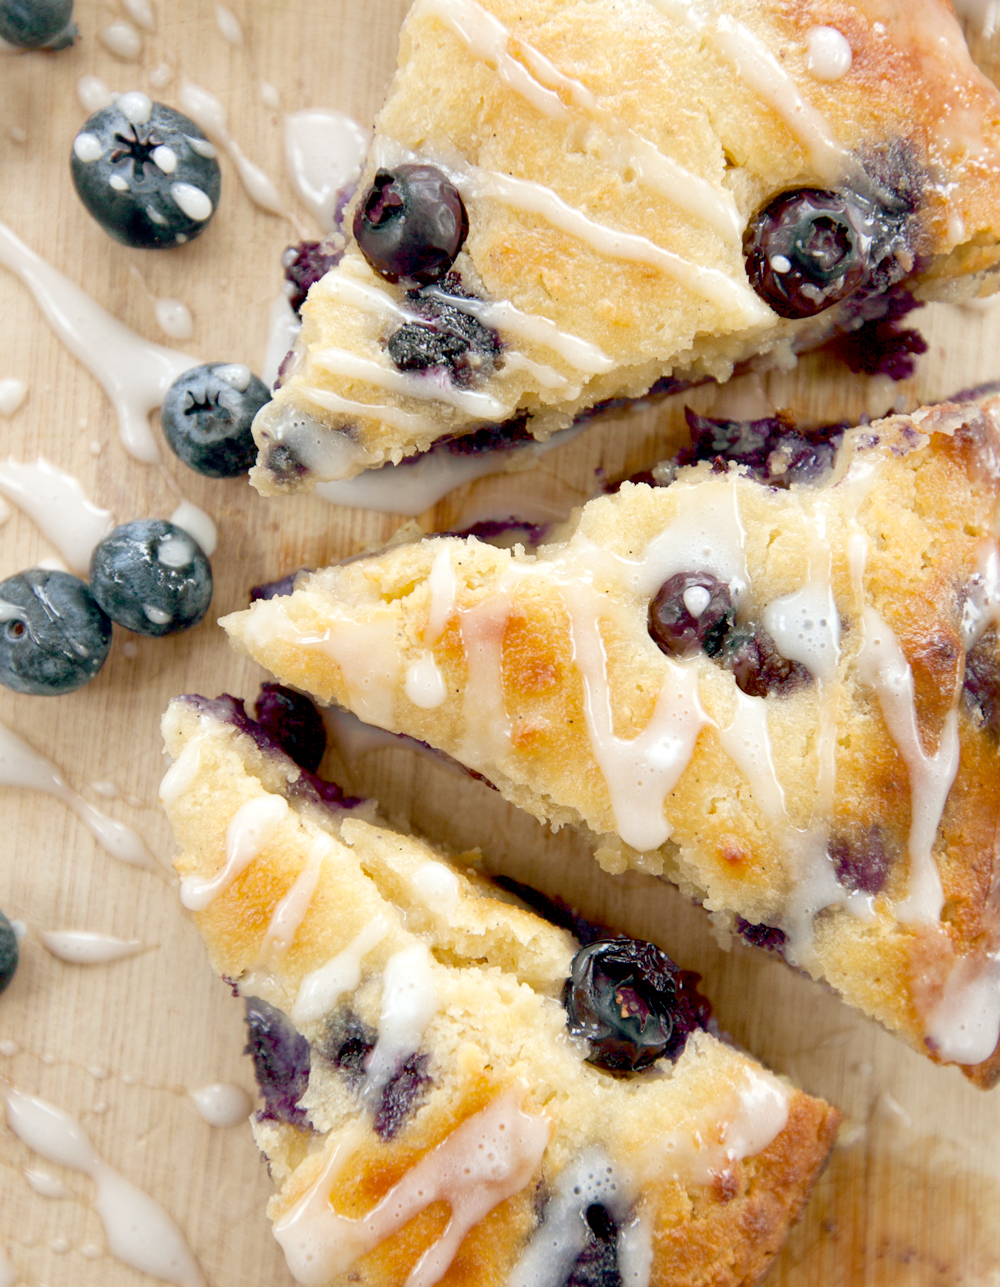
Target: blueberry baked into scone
pixel 574 201
pixel 774 679
pixel 456 1091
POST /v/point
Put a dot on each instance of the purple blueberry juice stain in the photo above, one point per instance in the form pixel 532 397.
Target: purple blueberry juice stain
pixel 768 937
pixel 758 667
pixel 981 685
pixel 307 786
pixel 304 265
pixel 861 862
pixel 280 1061
pixel 400 1096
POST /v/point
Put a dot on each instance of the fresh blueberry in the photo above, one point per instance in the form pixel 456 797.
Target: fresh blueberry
pixel 281 1062
pixel 8 952
pixel 207 414
pixel 304 265
pixel 411 224
pixel 809 249
pixel 53 635
pixel 631 1003
pixel 291 720
pixel 151 577
pixel 37 24
pixel 146 173
pixel 691 612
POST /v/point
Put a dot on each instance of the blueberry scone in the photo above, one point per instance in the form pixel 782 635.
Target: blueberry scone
pixel 573 201
pixel 774 679
pixel 455 1091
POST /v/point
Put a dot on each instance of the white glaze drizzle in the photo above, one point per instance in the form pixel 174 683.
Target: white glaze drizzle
pixel 501 315
pixel 965 1024
pixel 437 887
pixel 209 114
pixel 414 486
pixel 228 25
pixel 828 53
pixel 290 910
pixel 424 388
pixel 529 197
pixel 320 989
pixel 282 332
pixel 981 609
pixel 59 507
pixel 138 1230
pixel 122 39
pixel 197 524
pixel 487 1159
pixel 21 766
pixel 181 775
pixel 487 724
pixel 738 1125
pixel 409 1002
pixel 640 772
pixel 881 663
pixel 425 683
pixel 93 94
pixel 45 1183
pixel 485 37
pixel 81 947
pixel 134 373
pixel 394 416
pixel 141 12
pixel 324 153
pixel 222 1104
pixel 12 394
pixel 173 317
pixel 250 830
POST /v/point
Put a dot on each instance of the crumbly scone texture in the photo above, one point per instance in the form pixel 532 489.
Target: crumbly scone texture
pixel 498 971
pixel 597 103
pixel 902 526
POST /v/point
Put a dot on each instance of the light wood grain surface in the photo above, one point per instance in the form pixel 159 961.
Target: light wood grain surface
pixel 912 1196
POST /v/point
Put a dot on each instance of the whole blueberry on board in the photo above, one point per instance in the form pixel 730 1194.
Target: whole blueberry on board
pixel 207 415
pixel 411 224
pixel 37 24
pixel 151 577
pixel 146 173
pixel 808 249
pixel 54 637
pixel 8 952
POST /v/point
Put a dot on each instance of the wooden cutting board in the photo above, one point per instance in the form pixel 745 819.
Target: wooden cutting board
pixel 912 1195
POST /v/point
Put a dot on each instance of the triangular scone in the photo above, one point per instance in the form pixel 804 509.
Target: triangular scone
pixel 428 1117
pixel 616 160
pixel 821 762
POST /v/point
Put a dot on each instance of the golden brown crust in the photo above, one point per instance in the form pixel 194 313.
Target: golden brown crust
pixel 925 516
pixel 498 972
pixel 722 112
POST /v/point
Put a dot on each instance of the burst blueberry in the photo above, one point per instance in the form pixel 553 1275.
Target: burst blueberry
pixel 621 996
pixel 304 264
pixel 411 224
pixel 54 637
pixel 291 720
pixel 809 249
pixel 151 577
pixel 207 416
pixel 37 24
pixel 8 952
pixel 146 173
